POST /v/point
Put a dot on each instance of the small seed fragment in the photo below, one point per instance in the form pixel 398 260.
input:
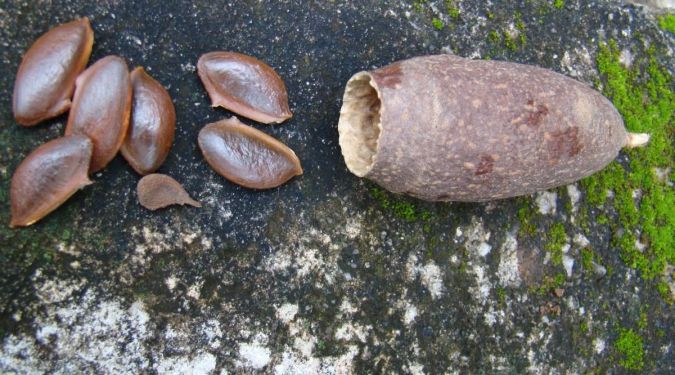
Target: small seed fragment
pixel 244 85
pixel 153 124
pixel 47 177
pixel 247 156
pixel 156 191
pixel 46 77
pixel 101 108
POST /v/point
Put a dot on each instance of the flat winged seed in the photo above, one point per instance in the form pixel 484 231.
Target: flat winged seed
pixel 244 85
pixel 247 156
pixel 157 191
pixel 153 124
pixel 101 108
pixel 48 177
pixel 46 77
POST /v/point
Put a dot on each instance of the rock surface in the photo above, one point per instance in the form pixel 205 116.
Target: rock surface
pixel 326 274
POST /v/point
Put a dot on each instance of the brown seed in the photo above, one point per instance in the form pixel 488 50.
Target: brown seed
pixel 46 77
pixel 244 85
pixel 101 108
pixel 48 177
pixel 247 156
pixel 153 124
pixel 158 190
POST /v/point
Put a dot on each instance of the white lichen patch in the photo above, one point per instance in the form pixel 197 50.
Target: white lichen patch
pixel 308 255
pixel 508 271
pixel 481 291
pixel 86 335
pixel 253 355
pixel 575 195
pixel 200 364
pixel 546 202
pixel 580 240
pixel 299 358
pixel 476 237
pixel 430 275
pixel 568 263
pixel 409 314
pixel 353 332
pixel 286 312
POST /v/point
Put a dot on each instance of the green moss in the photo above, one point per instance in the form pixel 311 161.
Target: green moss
pixel 602 219
pixel 644 97
pixel 631 347
pixel 493 37
pixel 525 214
pixel 509 41
pixel 664 290
pixel 438 24
pixel 501 296
pixel 583 327
pixel 453 10
pixel 556 239
pixel 559 4
pixel 587 257
pixel 551 283
pixel 400 207
pixel 667 23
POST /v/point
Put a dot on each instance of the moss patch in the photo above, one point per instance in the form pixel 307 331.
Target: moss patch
pixel 556 239
pixel 631 348
pixel 643 96
pixel 559 4
pixel 667 23
pixel 400 207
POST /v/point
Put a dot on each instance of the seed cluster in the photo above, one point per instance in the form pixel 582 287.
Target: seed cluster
pixel 113 111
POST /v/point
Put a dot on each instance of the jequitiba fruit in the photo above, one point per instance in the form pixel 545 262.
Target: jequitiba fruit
pixel 446 128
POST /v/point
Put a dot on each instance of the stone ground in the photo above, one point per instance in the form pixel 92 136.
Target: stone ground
pixel 327 274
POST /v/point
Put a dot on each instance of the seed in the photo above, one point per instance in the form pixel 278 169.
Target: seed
pixel 153 124
pixel 156 191
pixel 101 108
pixel 244 85
pixel 47 177
pixel 247 156
pixel 46 77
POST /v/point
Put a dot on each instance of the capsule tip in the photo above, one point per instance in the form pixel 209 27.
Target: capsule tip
pixel 637 140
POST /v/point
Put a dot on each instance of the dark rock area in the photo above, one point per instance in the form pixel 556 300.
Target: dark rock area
pixel 327 274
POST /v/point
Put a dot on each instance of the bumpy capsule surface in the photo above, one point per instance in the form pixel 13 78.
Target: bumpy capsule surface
pixel 46 77
pixel 247 156
pixel 101 108
pixel 47 177
pixel 244 85
pixel 446 128
pixel 153 124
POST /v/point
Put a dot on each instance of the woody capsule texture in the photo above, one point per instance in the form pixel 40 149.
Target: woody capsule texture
pixel 446 128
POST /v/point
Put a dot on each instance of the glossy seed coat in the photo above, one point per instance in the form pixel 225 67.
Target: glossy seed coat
pixel 101 108
pixel 153 124
pixel 245 86
pixel 247 156
pixel 46 77
pixel 47 177
pixel 157 191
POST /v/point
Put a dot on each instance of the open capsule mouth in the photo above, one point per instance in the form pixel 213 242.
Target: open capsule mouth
pixel 359 125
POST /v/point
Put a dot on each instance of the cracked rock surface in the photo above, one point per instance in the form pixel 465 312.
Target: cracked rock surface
pixel 327 274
